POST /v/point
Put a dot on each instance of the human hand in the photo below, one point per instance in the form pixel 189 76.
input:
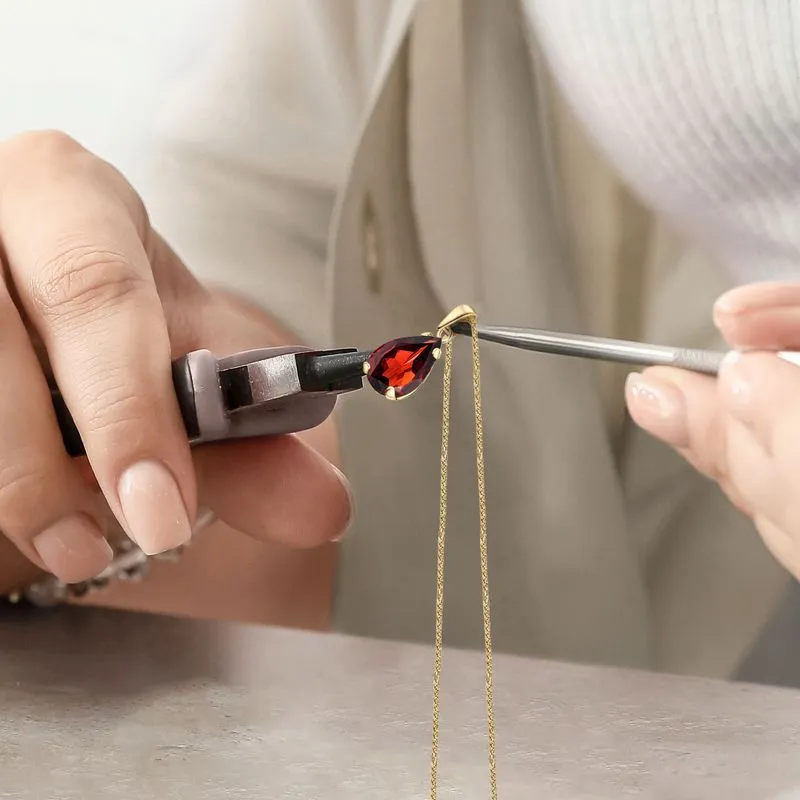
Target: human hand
pixel 92 295
pixel 742 430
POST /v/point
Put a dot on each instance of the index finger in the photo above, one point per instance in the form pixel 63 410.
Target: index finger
pixel 73 231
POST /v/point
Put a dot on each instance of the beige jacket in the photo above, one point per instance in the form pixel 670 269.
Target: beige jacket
pixel 360 167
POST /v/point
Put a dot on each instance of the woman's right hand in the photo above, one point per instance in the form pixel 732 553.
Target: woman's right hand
pixel 93 296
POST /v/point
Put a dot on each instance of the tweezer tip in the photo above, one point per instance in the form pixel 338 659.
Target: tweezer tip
pixel 463 328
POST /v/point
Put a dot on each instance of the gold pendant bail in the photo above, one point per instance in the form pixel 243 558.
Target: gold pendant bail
pixel 462 313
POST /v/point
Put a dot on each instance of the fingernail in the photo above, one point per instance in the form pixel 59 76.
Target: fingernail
pixel 792 357
pixel 153 507
pixel 658 407
pixel 729 307
pixel 205 517
pixel 351 504
pixel 729 304
pixel 757 297
pixel 73 549
pixel 735 386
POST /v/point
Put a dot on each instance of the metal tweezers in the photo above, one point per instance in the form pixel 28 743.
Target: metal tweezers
pixel 598 348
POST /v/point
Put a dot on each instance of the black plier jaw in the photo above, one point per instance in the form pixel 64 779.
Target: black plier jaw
pixel 263 380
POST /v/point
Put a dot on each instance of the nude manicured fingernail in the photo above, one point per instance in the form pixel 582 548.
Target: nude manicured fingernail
pixel 351 504
pixel 735 386
pixel 658 407
pixel 205 518
pixel 730 304
pixel 757 297
pixel 153 507
pixel 73 549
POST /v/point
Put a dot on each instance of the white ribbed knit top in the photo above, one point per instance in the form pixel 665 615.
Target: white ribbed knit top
pixel 697 102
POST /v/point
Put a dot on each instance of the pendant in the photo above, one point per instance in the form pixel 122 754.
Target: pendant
pixel 399 367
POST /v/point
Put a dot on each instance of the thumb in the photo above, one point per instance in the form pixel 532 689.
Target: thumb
pixel 760 316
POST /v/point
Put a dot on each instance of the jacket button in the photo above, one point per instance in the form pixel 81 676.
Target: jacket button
pixel 371 244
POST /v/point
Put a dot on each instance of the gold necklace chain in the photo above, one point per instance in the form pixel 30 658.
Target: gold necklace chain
pixel 447 342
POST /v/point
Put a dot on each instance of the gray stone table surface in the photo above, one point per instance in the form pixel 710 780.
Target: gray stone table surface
pixel 103 705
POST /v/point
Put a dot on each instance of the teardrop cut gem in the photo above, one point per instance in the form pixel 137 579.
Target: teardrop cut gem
pixel 399 367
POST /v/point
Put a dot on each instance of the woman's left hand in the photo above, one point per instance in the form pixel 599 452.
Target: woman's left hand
pixel 742 430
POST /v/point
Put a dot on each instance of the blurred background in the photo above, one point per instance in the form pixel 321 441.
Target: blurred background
pixel 105 73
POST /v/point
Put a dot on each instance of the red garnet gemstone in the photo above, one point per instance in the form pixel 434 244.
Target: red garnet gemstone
pixel 398 367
